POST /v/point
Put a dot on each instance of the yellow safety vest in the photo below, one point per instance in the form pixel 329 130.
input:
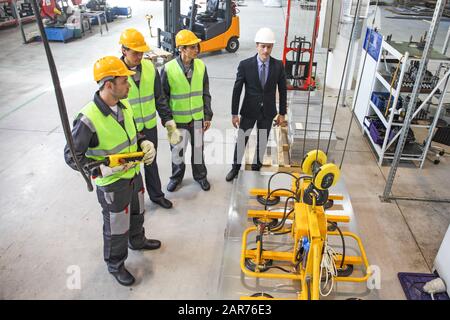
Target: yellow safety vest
pixel 142 99
pixel 186 100
pixel 112 139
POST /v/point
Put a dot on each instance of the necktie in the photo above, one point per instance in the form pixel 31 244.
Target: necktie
pixel 262 76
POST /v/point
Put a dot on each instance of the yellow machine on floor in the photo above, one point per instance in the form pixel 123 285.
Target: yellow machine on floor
pixel 311 259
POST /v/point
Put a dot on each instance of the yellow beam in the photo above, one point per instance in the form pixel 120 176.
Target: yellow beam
pixel 316 271
pixel 263 192
pixel 333 218
pixel 313 224
pixel 348 260
pixel 334 196
pixel 270 255
pixel 266 214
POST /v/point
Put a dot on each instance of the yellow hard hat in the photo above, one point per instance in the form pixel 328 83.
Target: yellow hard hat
pixel 134 40
pixel 186 38
pixel 110 66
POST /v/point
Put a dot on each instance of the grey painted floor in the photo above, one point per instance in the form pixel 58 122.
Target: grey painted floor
pixel 49 222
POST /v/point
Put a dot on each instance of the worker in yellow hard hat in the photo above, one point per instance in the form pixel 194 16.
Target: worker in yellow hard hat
pixel 185 83
pixel 146 98
pixel 106 126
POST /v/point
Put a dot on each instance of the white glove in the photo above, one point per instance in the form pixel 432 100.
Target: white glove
pixel 107 171
pixel 173 134
pixel 149 152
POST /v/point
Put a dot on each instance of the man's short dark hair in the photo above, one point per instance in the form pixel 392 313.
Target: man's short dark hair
pixel 113 80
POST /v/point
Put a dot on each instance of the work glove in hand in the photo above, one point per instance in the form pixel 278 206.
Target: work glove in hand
pixel 107 171
pixel 173 134
pixel 149 151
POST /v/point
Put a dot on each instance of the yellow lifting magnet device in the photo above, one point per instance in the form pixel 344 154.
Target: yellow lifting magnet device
pixel 309 229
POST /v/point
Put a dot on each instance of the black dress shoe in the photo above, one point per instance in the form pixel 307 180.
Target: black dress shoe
pixel 204 184
pixel 256 167
pixel 173 184
pixel 232 174
pixel 163 202
pixel 124 277
pixel 149 244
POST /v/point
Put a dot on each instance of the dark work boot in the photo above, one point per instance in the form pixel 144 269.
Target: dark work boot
pixel 123 276
pixel 149 244
pixel 163 202
pixel 204 184
pixel 256 167
pixel 173 184
pixel 232 174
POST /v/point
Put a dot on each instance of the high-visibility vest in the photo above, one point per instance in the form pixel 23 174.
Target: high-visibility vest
pixel 186 100
pixel 142 99
pixel 112 139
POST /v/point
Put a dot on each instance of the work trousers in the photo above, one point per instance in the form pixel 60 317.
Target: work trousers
pixel 245 128
pixel 152 179
pixel 193 133
pixel 123 218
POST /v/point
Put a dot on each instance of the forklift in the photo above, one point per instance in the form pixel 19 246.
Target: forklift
pixel 217 26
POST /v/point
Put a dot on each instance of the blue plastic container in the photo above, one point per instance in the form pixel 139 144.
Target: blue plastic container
pixel 58 34
pixel 380 100
pixel 121 11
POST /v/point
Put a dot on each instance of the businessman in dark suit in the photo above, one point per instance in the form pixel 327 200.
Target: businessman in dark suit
pixel 261 75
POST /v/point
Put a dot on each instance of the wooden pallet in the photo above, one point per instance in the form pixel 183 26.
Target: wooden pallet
pixel 276 158
pixel 158 53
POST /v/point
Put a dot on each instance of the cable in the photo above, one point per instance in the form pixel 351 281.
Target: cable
pixel 297 185
pixel 343 74
pixel 328 264
pixel 280 268
pixel 59 96
pixel 297 180
pixel 260 239
pixel 279 225
pixel 279 189
pixel 325 78
pixel 356 96
pixel 311 63
pixel 343 242
pixel 277 173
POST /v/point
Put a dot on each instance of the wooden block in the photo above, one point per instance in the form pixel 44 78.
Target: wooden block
pixel 267 160
pixel 286 158
pixel 280 155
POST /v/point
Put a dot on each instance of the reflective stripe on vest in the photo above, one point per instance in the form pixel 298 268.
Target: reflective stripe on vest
pixel 112 139
pixel 142 99
pixel 186 100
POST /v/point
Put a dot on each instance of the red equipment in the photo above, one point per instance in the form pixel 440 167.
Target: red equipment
pixel 300 73
pixel 48 7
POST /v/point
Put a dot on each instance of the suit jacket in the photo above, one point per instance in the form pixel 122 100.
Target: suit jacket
pixel 258 101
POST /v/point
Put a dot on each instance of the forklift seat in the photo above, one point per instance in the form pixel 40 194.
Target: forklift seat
pixel 210 15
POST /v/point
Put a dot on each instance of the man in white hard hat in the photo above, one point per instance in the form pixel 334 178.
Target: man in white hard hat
pixel 261 74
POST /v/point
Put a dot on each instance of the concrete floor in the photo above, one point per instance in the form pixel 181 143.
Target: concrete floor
pixel 49 222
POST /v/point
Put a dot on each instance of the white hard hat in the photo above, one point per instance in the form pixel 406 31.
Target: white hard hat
pixel 265 35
